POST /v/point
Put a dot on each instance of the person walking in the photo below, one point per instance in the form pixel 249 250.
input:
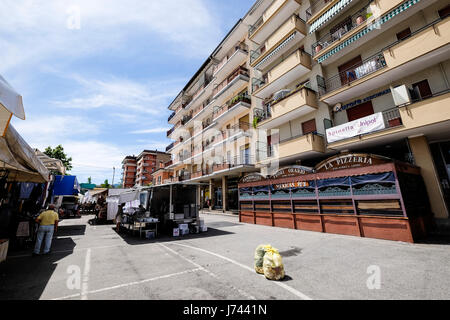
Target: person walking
pixel 48 224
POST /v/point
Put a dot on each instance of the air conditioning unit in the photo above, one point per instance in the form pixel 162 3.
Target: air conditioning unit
pixel 401 95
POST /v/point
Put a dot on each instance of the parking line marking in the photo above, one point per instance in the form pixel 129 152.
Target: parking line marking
pixel 131 283
pixel 282 285
pixel 87 269
pixel 242 292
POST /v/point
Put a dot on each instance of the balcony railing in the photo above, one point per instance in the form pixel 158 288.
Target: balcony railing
pixel 230 104
pixel 239 71
pixel 170 146
pixel 356 72
pixel 239 46
pixel 255 26
pixel 186 119
pixel 315 7
pixel 341 29
pixel 255 54
pixel 170 131
pixel 171 116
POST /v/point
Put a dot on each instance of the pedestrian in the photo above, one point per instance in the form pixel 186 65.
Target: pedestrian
pixel 119 217
pixel 48 224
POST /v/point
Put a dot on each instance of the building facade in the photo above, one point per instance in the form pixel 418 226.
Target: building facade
pixel 313 79
pixel 129 169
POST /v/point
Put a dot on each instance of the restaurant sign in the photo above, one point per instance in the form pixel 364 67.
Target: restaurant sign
pixel 372 123
pixel 292 171
pixel 349 161
pixel 253 177
pixel 298 184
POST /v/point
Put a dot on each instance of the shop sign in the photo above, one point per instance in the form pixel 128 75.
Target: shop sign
pixel 292 172
pixel 253 177
pixel 374 122
pixel 298 184
pixel 339 107
pixel 349 161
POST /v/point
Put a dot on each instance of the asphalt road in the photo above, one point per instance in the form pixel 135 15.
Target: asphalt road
pixel 94 262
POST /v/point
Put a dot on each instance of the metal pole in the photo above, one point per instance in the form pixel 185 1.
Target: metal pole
pixel 114 174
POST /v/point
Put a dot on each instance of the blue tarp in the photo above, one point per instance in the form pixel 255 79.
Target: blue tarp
pixel 66 186
pixel 387 177
pixel 333 182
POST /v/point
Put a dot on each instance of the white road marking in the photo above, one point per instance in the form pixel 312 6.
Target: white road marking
pixel 282 285
pixel 87 269
pixel 131 283
pixel 242 292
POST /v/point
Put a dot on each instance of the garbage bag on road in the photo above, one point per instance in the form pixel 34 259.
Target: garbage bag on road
pixel 259 258
pixel 273 265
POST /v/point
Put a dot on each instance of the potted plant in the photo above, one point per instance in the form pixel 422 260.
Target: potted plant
pixel 360 19
pixel 318 48
pixel 255 121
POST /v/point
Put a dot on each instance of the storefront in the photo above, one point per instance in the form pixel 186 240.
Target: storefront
pixel 441 157
pixel 353 194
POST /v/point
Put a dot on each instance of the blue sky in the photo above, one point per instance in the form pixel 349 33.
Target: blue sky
pixel 97 76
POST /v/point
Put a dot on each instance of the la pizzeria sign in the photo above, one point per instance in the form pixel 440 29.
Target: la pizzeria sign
pixel 348 161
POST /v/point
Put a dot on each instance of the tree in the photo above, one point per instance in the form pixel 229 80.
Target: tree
pixel 58 153
pixel 89 180
pixel 106 184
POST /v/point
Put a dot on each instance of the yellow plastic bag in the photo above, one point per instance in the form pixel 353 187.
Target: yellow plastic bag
pixel 273 265
pixel 259 257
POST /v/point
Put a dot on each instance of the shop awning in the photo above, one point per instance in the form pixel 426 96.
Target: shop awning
pixel 50 163
pixel 10 104
pixel 19 160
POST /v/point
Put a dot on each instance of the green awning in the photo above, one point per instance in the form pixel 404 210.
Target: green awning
pixel 334 10
pixel 374 25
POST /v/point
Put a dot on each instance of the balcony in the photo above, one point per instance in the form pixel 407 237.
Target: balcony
pixel 308 144
pixel 296 104
pixel 293 67
pixel 235 80
pixel 235 106
pixel 272 18
pixel 424 48
pixel 170 146
pixel 362 27
pixel 322 12
pixel 280 42
pixel 170 131
pixel 236 57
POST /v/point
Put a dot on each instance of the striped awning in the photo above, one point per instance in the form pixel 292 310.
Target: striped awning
pixel 277 49
pixel 375 25
pixel 334 10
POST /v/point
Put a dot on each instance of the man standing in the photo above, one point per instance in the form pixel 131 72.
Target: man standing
pixel 48 224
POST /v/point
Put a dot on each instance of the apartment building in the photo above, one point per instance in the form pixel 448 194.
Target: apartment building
pixel 367 76
pixel 211 118
pixel 129 169
pixel 297 82
pixel 148 161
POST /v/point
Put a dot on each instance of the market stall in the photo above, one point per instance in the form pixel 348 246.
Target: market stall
pixel 353 194
pixel 171 208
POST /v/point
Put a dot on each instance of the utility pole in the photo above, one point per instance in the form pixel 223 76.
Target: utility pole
pixel 114 174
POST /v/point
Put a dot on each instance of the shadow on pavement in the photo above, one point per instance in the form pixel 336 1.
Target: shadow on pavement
pixel 70 231
pixel 23 277
pixel 135 240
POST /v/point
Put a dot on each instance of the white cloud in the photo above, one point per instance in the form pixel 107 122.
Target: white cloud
pixel 123 94
pixel 153 130
pixel 36 30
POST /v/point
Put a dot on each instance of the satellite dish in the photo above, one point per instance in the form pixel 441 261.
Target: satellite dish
pixel 337 107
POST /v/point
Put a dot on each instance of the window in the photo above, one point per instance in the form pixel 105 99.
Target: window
pixel 347 70
pixel 423 88
pixel 361 111
pixel 444 12
pixel 404 34
pixel 309 126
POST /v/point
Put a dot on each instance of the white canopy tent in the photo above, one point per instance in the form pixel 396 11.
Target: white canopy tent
pixel 10 104
pixel 19 160
pixel 50 163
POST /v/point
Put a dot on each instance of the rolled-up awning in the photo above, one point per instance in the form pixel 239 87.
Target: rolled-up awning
pixel 10 104
pixel 18 159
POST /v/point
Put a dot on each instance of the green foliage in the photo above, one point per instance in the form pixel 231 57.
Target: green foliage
pixel 106 184
pixel 89 180
pixel 58 153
